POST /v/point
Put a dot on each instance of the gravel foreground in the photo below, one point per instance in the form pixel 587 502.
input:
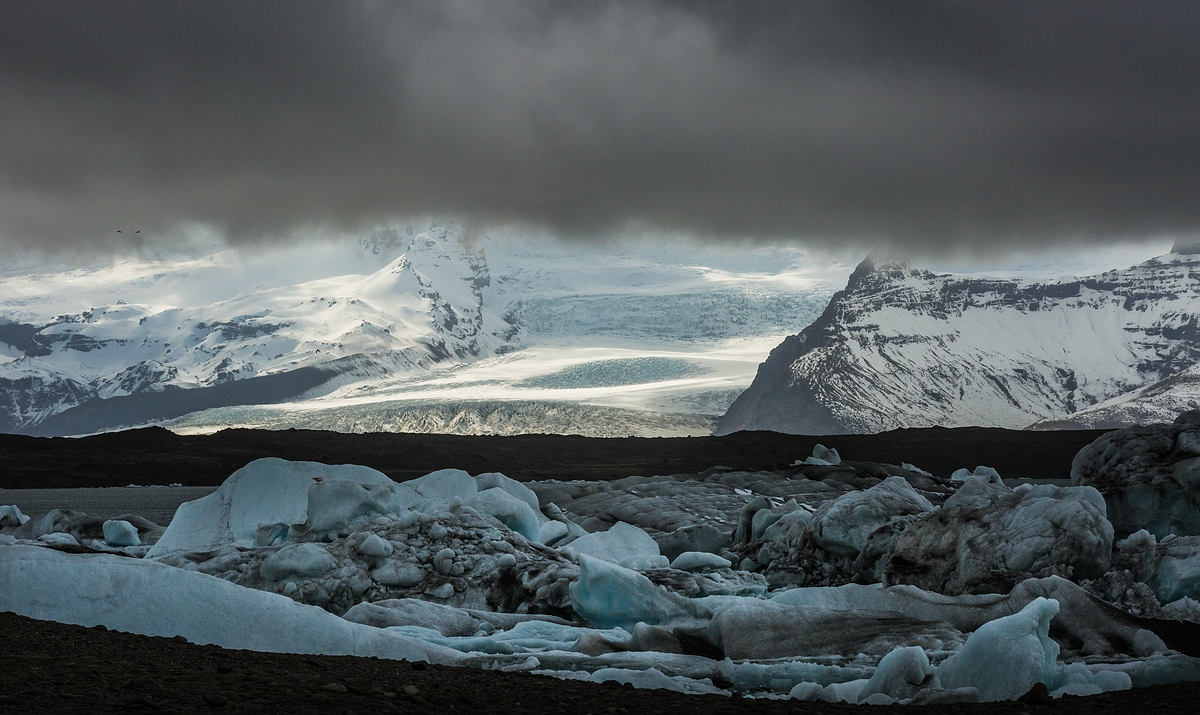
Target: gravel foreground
pixel 50 667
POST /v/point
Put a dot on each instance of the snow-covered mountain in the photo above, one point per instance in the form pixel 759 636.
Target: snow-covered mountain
pixel 422 327
pixel 1157 403
pixel 423 307
pixel 903 347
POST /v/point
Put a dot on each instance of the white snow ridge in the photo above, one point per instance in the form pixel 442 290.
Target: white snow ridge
pixel 832 580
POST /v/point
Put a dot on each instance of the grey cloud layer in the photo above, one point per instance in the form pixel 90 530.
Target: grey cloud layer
pixel 918 123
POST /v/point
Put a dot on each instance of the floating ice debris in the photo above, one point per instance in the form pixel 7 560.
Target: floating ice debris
pixel 670 588
pixel 118 532
pixel 10 515
pixel 141 596
pixel 987 474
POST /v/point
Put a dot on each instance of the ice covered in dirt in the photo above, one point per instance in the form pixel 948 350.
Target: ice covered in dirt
pixel 843 525
pixel 762 583
pixel 1149 476
pixel 1085 626
pixel 458 556
pixel 987 537
pixel 761 629
pixel 1154 577
pixel 849 537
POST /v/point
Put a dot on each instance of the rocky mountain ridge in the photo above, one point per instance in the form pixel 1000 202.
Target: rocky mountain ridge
pixel 422 307
pixel 903 347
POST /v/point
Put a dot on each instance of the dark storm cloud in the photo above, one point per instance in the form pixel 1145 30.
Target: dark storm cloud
pixel 980 124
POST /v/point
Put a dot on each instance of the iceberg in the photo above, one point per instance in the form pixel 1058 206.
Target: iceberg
pixel 149 598
pixel 623 544
pixel 118 532
pixel 1007 656
pixel 265 491
pixel 987 538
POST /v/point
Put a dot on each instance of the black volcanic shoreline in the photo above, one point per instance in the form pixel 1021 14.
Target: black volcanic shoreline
pixel 157 456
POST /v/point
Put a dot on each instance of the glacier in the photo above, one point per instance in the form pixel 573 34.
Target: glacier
pixel 422 327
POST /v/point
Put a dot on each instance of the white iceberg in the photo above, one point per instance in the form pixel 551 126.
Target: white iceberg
pixel 623 544
pixel 118 532
pixel 10 515
pixel 265 491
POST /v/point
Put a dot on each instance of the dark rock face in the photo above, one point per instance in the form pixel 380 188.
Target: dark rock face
pixel 902 347
pixel 1149 476
pixel 31 398
pixel 779 402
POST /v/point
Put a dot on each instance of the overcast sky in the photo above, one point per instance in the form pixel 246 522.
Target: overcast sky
pixel 976 124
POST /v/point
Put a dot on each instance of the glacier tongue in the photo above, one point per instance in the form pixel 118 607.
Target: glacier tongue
pixel 422 328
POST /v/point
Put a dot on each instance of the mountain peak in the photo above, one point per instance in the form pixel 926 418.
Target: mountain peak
pixel 1186 246
pixel 902 347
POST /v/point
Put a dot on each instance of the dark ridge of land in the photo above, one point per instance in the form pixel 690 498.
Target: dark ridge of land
pixel 48 667
pixel 158 456
pixel 139 408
